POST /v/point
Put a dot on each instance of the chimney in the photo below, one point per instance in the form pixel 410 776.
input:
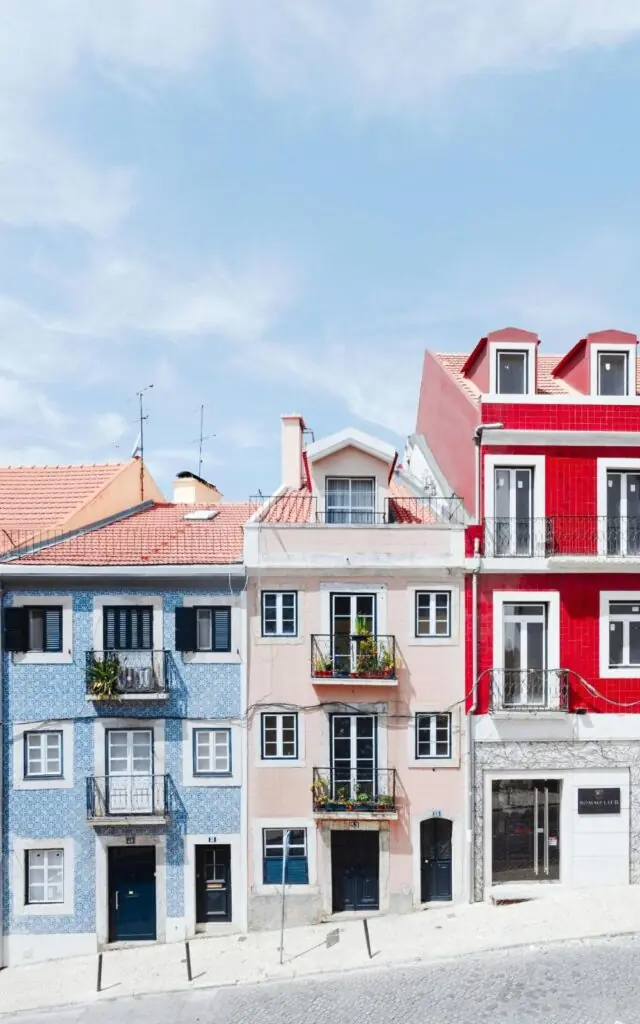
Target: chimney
pixel 189 489
pixel 291 450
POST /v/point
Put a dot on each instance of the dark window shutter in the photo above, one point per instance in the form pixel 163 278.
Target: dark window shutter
pixel 222 629
pixel 146 628
pixel 53 629
pixel 16 630
pixel 185 629
pixel 109 629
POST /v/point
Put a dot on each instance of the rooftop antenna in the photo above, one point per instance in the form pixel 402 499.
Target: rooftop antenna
pixel 139 448
pixel 203 437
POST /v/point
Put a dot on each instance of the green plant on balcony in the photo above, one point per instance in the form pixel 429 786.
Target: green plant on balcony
pixel 388 662
pixel 384 802
pixel 363 797
pixel 320 791
pixel 322 665
pixel 105 676
pixel 367 662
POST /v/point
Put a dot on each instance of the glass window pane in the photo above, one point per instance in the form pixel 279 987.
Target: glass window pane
pixel 634 643
pixel 204 631
pixel 36 629
pixel 615 643
pixel 512 373
pixel 612 373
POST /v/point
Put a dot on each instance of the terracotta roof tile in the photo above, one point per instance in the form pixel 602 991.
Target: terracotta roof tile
pixel 159 535
pixel 40 497
pixel 545 383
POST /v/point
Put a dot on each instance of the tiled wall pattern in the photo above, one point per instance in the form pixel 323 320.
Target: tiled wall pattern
pixel 41 692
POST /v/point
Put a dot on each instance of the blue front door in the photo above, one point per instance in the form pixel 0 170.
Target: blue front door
pixel 132 893
pixel 355 870
pixel 435 854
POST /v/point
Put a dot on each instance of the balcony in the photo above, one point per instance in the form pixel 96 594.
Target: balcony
pixel 128 800
pixel 127 675
pixel 557 536
pixel 529 690
pixel 354 659
pixel 348 793
pixel 298 508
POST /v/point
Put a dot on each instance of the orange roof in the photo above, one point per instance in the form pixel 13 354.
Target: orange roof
pixel 546 384
pixel 41 497
pixel 160 535
pixel 293 507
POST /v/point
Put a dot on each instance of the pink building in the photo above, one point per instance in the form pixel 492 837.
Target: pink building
pixel 357 733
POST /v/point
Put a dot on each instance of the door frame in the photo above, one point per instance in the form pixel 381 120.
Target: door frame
pixel 459 864
pixel 357 834
pixel 423 822
pixel 325 881
pixel 111 910
pixel 214 848
pixel 239 894
pixel 102 883
pixel 353 738
pixel 152 774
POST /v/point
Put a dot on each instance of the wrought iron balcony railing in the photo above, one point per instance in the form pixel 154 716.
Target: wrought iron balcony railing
pixel 297 507
pixel 127 797
pixel 590 536
pixel 111 675
pixel 353 656
pixel 356 789
pixel 529 689
pixel 408 510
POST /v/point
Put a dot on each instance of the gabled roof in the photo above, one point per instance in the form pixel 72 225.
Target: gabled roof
pixel 546 383
pixel 41 497
pixel 351 437
pixel 160 535
pixel 298 506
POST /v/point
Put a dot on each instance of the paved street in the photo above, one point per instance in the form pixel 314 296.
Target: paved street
pixel 587 982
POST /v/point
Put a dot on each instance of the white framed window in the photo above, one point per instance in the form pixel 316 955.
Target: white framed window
pixel 44 876
pixel 512 372
pixel 43 754
pixel 624 634
pixel 273 852
pixel 433 736
pixel 514 506
pixel 613 373
pixel 433 613
pixel 350 500
pixel 212 751
pixel 279 736
pixel 279 613
pixel 39 630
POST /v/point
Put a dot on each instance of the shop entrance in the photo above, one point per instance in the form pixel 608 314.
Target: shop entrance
pixel 525 830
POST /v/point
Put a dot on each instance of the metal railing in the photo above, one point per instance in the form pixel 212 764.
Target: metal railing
pixel 410 510
pixel 127 796
pixel 114 674
pixel 354 788
pixel 529 689
pixel 353 656
pixel 591 536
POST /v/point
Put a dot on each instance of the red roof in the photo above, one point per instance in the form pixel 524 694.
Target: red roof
pixel 160 535
pixel 41 497
pixel 293 507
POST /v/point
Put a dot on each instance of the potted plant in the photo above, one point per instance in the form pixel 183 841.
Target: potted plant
pixel 323 667
pixel 362 629
pixel 384 803
pixel 320 792
pixel 367 663
pixel 363 798
pixel 105 676
pixel 387 664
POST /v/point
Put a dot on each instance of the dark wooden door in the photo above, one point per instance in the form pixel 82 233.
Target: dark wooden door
pixel 355 870
pixel 213 883
pixel 132 893
pixel 435 860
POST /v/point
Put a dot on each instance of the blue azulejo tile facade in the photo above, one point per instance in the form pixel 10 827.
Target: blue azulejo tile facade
pixel 151 847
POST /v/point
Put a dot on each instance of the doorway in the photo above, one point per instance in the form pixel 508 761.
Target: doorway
pixel 132 893
pixel 526 830
pixel 213 884
pixel 513 498
pixel 353 757
pixel 355 870
pixel 435 860
pixel 130 771
pixel 350 615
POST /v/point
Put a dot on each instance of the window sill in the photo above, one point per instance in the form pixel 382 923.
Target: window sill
pixel 43 658
pixel 278 638
pixel 280 762
pixel 42 784
pixel 210 658
pixel 434 762
pixel 432 641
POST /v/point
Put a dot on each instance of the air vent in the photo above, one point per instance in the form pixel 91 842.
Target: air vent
pixel 201 513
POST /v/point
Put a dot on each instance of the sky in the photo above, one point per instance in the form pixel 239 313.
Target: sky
pixel 268 207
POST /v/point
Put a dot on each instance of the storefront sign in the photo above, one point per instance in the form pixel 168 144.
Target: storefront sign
pixel 598 801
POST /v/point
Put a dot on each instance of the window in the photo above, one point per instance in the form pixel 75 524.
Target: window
pixel 350 500
pixel 279 613
pixel 624 634
pixel 42 755
pixel 204 629
pixel 524 655
pixel 33 629
pixel 44 876
pixel 623 513
pixel 433 613
pixel 513 506
pixel 613 373
pixel 297 872
pixel 279 736
pixel 512 373
pixel 128 628
pixel 433 735
pixel 212 751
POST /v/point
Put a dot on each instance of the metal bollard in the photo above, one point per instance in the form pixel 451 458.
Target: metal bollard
pixel 99 983
pixel 188 952
pixel 366 937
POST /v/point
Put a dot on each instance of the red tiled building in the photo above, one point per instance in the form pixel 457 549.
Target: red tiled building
pixel 545 453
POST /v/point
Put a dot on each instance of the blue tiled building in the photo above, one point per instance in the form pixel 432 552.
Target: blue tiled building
pixel 123 709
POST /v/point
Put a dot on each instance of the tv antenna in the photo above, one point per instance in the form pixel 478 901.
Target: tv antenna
pixel 139 448
pixel 200 439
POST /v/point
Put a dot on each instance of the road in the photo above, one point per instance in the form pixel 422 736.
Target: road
pixel 589 982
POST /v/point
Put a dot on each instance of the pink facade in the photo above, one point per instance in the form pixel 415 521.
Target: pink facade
pixel 357 736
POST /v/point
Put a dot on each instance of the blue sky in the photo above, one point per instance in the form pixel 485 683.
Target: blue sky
pixel 275 207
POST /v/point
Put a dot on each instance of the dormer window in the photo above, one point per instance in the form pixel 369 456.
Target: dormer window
pixel 350 500
pixel 512 373
pixel 613 373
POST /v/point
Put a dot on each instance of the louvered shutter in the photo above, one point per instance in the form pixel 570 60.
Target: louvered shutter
pixel 16 630
pixel 186 629
pixel 221 629
pixel 145 628
pixel 53 629
pixel 110 629
pixel 297 871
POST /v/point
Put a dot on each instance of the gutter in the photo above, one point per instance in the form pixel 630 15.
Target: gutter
pixel 471 749
pixel 16 571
